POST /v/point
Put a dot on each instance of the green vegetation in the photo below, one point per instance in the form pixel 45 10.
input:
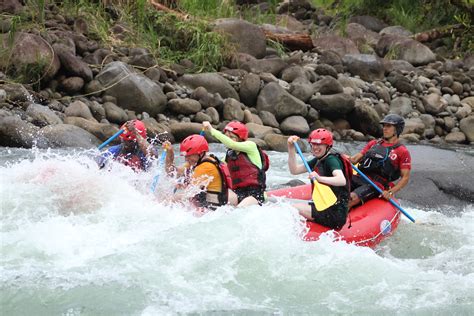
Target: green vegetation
pixel 415 15
pixel 171 39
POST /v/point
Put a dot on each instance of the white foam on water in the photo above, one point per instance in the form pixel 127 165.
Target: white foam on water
pixel 81 241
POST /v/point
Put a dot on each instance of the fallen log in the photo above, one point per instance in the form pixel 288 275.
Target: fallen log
pixel 296 41
pixel 439 32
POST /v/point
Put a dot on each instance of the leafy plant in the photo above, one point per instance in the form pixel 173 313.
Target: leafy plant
pixel 279 47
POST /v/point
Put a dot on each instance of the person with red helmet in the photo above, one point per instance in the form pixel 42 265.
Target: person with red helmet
pixel 384 161
pixel 134 150
pixel 246 161
pixel 328 169
pixel 201 169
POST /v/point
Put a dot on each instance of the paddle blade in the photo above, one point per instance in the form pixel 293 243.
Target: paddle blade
pixel 323 196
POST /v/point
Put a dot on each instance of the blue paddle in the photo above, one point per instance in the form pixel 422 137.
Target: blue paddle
pixel 114 136
pixel 380 191
pixel 157 177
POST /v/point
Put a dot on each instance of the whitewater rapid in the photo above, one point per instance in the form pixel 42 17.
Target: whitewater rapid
pixel 76 240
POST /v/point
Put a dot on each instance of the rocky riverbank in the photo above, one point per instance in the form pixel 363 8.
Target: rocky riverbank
pixel 346 84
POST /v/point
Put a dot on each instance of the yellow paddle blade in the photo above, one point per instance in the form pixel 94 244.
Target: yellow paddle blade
pixel 323 196
pixel 353 170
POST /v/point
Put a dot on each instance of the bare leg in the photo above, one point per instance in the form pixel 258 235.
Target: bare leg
pixel 304 210
pixel 232 198
pixel 354 200
pixel 249 200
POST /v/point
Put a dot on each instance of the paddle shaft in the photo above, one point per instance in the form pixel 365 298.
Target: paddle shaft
pixel 114 136
pixel 298 149
pixel 160 163
pixel 381 192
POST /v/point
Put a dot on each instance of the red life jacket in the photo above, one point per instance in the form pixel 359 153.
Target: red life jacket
pixel 133 161
pixel 244 173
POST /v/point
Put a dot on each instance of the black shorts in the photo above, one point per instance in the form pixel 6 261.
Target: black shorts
pixel 333 217
pixel 257 192
pixel 364 190
pixel 209 200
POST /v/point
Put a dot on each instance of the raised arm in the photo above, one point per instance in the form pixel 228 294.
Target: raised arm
pixel 293 166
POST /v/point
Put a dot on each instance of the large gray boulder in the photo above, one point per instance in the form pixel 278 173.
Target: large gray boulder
pixel 361 35
pixel 247 37
pixel 467 127
pixel 11 6
pixel 293 72
pixel 401 106
pixel 399 47
pixel 132 90
pixel 114 113
pixel 279 142
pixel 249 89
pixel 15 92
pixel 72 64
pixel 369 22
pixel 182 130
pixel 259 131
pixel 213 82
pixel 435 183
pixel 340 45
pixel 434 103
pixel 184 106
pixel 333 106
pixel 455 137
pixel 29 52
pixel 367 67
pixel 233 110
pixel 365 118
pixel 396 30
pixel 270 65
pixel 14 132
pixel 274 99
pixel 41 115
pixel 65 135
pixel 80 109
pixel 100 130
pixel 268 119
pixel 295 125
pixel 159 131
pixel 327 85
pixel 414 126
pixel 302 89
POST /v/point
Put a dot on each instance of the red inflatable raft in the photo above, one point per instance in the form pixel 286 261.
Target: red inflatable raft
pixel 369 223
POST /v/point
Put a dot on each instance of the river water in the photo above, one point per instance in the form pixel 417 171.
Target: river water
pixel 76 240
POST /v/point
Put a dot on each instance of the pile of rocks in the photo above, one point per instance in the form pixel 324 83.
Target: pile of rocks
pixel 89 91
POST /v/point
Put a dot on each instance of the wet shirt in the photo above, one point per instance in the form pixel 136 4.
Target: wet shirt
pixel 207 171
pixel 399 157
pixel 331 163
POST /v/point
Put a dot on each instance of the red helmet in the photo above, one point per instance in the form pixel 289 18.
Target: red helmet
pixel 193 144
pixel 321 136
pixel 238 129
pixel 128 135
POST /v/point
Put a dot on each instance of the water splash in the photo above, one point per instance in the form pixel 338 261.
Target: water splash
pixel 79 240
